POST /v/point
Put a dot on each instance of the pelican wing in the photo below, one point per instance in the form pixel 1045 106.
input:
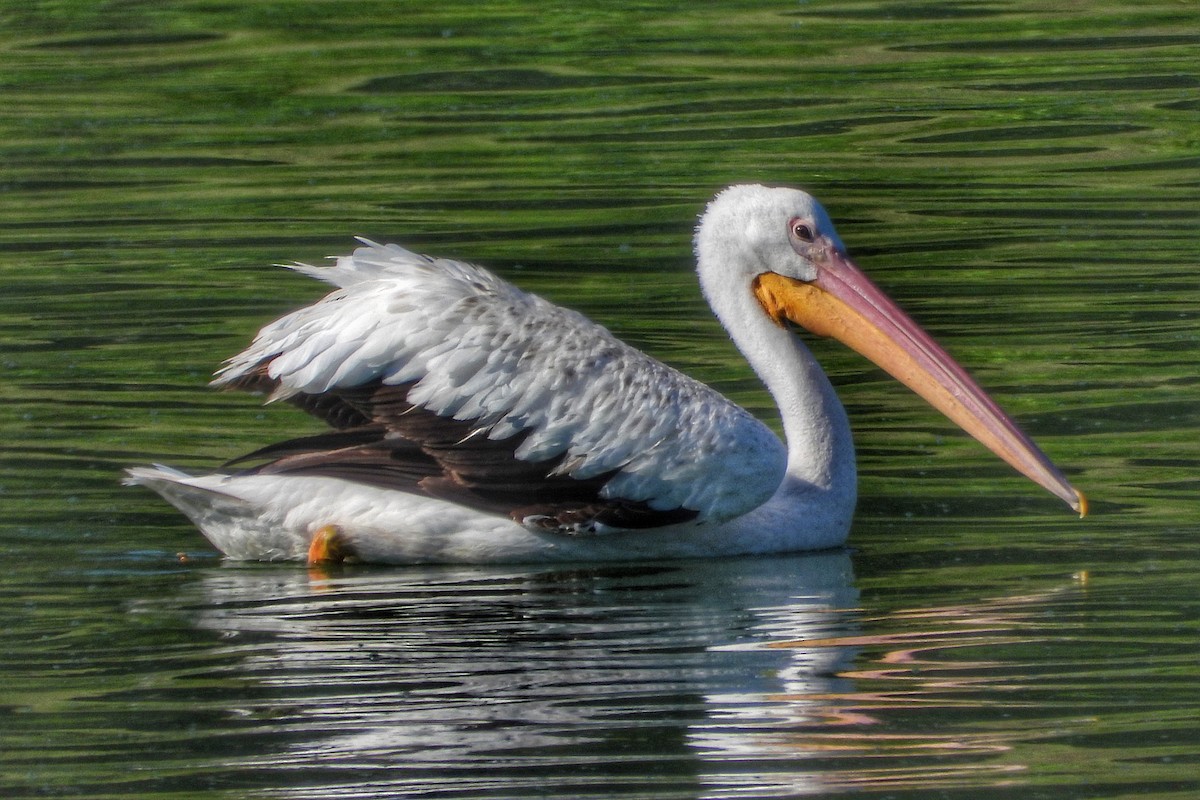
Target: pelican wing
pixel 440 377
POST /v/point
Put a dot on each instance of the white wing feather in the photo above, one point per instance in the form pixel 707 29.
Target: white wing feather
pixel 480 349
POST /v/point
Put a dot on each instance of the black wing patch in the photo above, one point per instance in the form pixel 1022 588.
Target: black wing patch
pixel 381 439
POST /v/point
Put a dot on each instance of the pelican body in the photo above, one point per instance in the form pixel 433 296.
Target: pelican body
pixel 472 422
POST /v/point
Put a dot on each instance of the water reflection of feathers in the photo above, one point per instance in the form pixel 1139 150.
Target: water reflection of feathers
pixel 430 664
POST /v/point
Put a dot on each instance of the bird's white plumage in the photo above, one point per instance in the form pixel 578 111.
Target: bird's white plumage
pixel 465 344
pixel 483 351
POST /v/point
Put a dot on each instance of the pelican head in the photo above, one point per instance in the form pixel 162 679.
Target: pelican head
pixel 772 253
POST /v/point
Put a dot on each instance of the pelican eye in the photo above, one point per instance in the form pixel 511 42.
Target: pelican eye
pixel 803 231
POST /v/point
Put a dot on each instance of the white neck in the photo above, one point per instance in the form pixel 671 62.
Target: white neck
pixel 820 447
pixel 739 237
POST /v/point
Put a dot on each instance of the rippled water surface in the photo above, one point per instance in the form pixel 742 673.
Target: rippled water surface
pixel 1024 180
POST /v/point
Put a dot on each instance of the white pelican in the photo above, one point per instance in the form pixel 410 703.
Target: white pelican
pixel 473 422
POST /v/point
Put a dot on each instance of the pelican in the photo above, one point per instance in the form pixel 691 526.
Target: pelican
pixel 473 422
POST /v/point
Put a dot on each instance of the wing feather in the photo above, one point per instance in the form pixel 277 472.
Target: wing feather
pixel 470 347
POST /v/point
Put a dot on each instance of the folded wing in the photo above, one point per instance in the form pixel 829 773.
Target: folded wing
pixel 439 377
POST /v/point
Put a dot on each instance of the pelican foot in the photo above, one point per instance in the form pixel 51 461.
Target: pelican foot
pixel 328 546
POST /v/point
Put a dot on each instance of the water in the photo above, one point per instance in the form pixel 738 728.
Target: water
pixel 1023 180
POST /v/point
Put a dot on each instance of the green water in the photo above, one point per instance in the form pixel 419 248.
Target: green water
pixel 1022 177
